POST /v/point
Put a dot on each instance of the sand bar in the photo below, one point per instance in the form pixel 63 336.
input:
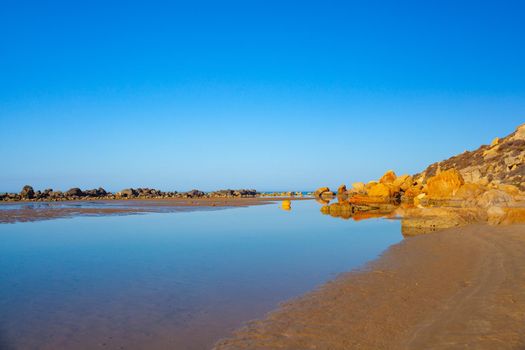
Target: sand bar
pixel 454 289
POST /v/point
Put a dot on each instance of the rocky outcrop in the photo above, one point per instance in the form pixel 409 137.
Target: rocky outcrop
pixel 501 162
pixel 76 193
pixel 483 185
pixel 444 185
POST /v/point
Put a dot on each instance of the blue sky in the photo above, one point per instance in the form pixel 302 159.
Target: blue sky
pixel 270 95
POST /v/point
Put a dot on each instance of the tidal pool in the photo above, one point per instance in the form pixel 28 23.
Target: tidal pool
pixel 169 280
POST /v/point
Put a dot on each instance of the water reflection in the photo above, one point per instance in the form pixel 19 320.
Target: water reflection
pixel 169 281
pixel 286 205
pixel 345 210
pixel 417 220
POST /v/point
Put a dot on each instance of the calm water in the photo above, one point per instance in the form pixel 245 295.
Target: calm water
pixel 169 280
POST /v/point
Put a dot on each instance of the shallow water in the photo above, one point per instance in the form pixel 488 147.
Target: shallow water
pixel 168 280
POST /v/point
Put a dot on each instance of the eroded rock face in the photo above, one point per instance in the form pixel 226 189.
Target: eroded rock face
pixel 444 185
pixel 501 162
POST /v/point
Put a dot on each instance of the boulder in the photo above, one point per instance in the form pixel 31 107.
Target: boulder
pixel 341 190
pixel 388 178
pixel 358 187
pixel 319 192
pixel 128 192
pixel 380 190
pixel 195 194
pixel 27 192
pixel 404 182
pixel 412 192
pixel 75 191
pixel 444 185
pixel 370 184
pixel 56 194
pixel 418 199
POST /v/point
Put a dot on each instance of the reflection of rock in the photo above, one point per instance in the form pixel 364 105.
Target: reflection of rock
pixel 342 198
pixel 321 200
pixel 286 205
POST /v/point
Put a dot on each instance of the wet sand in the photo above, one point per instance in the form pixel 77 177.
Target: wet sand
pixel 454 289
pixel 25 211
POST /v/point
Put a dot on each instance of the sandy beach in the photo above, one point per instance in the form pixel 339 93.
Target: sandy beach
pixel 453 289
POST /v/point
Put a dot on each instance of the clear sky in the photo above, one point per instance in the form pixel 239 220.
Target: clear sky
pixel 270 95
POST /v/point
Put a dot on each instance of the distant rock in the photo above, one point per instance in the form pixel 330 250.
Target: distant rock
pixel 27 192
pixel 322 191
pixel 128 193
pixel 195 194
pixel 75 191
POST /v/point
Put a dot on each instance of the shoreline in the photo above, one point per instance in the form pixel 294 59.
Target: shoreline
pixel 29 211
pixel 456 288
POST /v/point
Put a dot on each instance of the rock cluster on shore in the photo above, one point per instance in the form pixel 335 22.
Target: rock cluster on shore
pixel 484 185
pixel 29 194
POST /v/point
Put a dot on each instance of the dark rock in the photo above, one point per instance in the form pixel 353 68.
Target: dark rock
pixel 194 194
pixel 74 192
pixel 27 192
pixel 128 192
